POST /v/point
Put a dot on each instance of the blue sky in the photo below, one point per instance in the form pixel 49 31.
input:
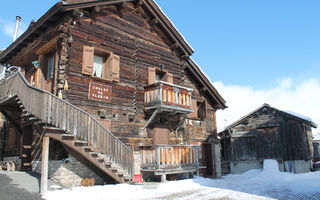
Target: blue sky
pixel 245 42
pixel 269 50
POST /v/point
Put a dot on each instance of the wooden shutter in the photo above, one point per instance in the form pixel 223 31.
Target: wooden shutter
pixel 151 75
pixel 169 78
pixel 106 72
pixel 195 110
pixel 87 60
pixel 115 67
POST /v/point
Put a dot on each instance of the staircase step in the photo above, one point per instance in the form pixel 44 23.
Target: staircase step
pixel 67 137
pixel 26 164
pixel 80 143
pixel 26 114
pixel 86 149
pixel 19 102
pixel 52 129
pixel 93 154
pixel 38 122
pixel 107 164
pixel 120 174
pixel 33 119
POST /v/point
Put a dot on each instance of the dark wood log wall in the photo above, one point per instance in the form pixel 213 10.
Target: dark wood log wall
pixel 128 32
pixel 285 140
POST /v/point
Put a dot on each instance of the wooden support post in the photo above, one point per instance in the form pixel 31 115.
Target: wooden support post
pixel 197 160
pixel 158 157
pixel 163 178
pixel 44 168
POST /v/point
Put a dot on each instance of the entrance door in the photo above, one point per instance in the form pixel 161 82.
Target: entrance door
pixel 209 159
pixel 45 74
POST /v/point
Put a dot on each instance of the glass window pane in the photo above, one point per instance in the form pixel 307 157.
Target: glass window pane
pixel 97 66
pixel 50 67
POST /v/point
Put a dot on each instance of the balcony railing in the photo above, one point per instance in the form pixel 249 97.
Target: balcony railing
pixel 168 97
pixel 170 157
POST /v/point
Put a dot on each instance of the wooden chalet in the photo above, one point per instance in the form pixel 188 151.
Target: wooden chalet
pixel 268 133
pixel 111 83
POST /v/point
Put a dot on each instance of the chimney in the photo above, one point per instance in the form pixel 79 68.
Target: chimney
pixel 18 18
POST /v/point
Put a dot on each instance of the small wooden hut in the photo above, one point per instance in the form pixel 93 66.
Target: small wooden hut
pixel 268 133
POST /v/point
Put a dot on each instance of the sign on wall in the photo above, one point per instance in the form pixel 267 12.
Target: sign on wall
pixel 99 92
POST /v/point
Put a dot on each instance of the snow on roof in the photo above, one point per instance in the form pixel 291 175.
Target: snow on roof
pixel 298 115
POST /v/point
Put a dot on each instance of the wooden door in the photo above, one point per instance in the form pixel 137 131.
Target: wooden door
pixel 208 159
pixel 44 76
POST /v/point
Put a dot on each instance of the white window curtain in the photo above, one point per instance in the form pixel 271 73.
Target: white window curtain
pixel 97 66
pixel 51 60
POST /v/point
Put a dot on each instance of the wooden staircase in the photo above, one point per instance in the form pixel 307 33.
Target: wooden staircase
pixel 81 134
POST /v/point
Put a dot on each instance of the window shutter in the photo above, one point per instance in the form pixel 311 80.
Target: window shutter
pixel 151 75
pixel 195 109
pixel 169 78
pixel 87 60
pixel 106 72
pixel 115 67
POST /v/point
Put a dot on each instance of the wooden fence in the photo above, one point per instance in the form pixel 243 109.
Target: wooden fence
pixel 67 117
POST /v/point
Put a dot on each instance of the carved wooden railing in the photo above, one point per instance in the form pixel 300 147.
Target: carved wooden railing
pixel 170 157
pixel 67 117
pixel 167 96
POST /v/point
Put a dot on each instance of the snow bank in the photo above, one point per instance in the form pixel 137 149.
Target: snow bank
pixel 264 183
pixel 270 167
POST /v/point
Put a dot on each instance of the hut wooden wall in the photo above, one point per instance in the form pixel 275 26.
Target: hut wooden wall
pixel 285 140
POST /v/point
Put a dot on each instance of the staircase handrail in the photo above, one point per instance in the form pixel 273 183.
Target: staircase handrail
pixel 49 108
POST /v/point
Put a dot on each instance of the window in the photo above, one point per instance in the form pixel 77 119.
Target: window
pixel 155 75
pixel 160 76
pixel 199 110
pixel 50 64
pixel 101 64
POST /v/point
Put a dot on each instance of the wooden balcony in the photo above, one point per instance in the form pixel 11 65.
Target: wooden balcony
pixel 167 97
pixel 170 159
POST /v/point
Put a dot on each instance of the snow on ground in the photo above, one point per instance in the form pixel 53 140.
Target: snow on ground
pixel 268 183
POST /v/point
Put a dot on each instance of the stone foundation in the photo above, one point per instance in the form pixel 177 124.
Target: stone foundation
pixel 68 172
pixel 293 166
pixel 297 166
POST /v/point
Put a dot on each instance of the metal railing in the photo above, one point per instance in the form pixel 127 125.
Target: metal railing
pixel 165 157
pixel 67 117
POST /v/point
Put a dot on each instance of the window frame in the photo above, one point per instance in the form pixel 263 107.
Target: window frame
pixel 110 69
